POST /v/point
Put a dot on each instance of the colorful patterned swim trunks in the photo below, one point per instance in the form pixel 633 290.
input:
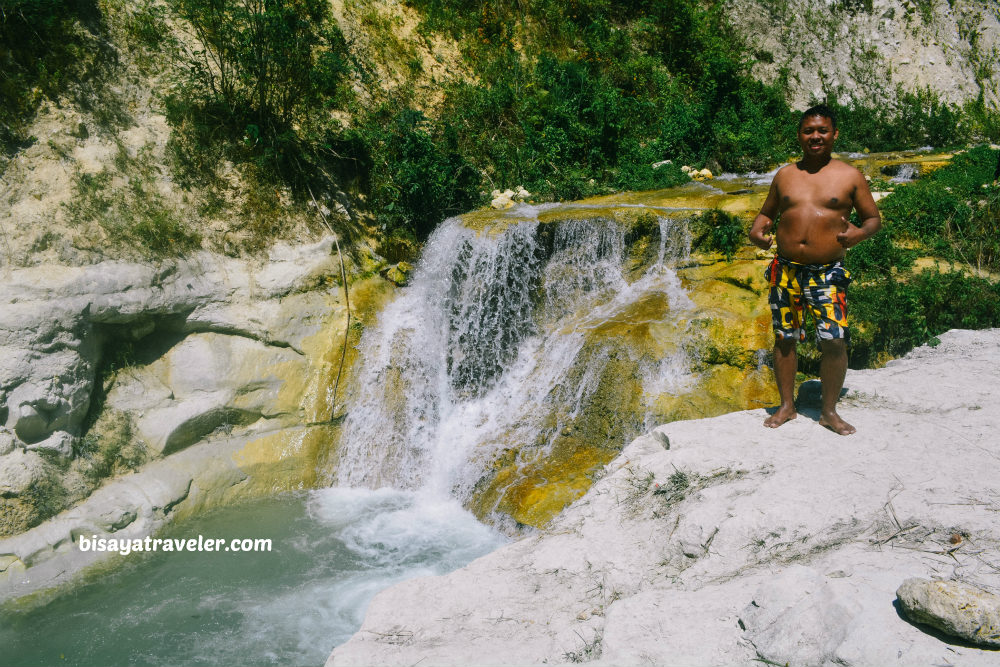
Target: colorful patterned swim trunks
pixel 822 287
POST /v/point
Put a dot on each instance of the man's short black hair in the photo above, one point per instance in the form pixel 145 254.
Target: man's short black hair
pixel 819 110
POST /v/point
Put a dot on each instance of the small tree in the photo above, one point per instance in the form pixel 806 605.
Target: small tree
pixel 265 60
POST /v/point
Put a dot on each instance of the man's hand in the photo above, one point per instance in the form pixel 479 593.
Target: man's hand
pixel 762 242
pixel 851 236
pixel 758 232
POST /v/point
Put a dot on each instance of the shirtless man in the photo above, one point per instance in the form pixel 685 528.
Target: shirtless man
pixel 814 198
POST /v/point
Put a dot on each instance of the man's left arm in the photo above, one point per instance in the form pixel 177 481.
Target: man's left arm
pixel 871 220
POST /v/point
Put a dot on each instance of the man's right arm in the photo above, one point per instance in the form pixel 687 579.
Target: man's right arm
pixel 764 221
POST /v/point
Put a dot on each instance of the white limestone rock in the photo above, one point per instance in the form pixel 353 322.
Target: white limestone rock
pixel 502 200
pixel 797 618
pixel 6 442
pixel 18 471
pixel 59 442
pixel 207 381
pixel 242 327
pixel 881 46
pixel 53 319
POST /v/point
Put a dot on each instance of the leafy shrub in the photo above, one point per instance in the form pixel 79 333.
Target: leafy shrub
pixel 968 171
pixel 569 99
pixel 47 48
pixel 923 210
pixel 265 60
pixel 983 120
pixel 722 232
pixel 879 256
pixel 949 212
pixel 260 89
pixel 951 215
pixel 416 179
pixel 894 315
pixel 603 93
pixel 916 118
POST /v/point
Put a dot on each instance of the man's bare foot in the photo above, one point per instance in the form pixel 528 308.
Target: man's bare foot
pixel 834 422
pixel 781 416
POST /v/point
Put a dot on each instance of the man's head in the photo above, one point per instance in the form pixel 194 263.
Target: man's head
pixel 819 110
pixel 817 131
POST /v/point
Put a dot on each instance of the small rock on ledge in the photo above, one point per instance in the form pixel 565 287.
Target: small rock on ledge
pixel 954 608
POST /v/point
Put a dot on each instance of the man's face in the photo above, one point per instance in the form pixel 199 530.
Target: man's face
pixel 816 136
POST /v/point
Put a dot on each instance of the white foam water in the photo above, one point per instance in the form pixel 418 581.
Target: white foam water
pixel 906 173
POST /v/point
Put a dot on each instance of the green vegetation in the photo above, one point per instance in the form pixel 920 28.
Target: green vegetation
pixel 952 214
pixel 602 91
pixel 567 99
pixel 417 176
pixel 896 315
pixel 132 214
pixel 51 49
pixel 260 84
pixel 720 231
pixel 917 118
pixel 590 98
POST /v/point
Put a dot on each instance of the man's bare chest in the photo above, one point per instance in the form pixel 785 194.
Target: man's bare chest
pixel 817 195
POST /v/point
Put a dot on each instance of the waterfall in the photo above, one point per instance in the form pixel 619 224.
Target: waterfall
pixel 906 173
pixel 488 344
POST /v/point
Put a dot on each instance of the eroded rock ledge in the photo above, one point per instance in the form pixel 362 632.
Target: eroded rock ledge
pixel 721 542
pixel 153 359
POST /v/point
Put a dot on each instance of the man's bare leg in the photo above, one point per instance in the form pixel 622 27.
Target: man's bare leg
pixel 786 363
pixel 832 370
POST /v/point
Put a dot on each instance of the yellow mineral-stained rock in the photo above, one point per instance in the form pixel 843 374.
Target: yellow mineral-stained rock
pixel 399 273
pixel 725 333
pixel 285 460
pixel 533 491
pixel 326 348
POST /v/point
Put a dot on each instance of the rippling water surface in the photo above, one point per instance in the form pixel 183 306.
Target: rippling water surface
pixel 332 550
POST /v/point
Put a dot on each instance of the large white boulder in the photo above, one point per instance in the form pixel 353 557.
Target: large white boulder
pixel 208 381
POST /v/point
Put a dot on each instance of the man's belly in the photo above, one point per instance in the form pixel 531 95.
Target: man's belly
pixel 810 251
pixel 810 242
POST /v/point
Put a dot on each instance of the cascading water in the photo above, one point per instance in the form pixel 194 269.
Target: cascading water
pixel 488 343
pixel 448 336
pixel 906 173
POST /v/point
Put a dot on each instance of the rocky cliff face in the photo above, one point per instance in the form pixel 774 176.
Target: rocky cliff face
pixel 721 542
pixel 865 49
pixel 108 366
